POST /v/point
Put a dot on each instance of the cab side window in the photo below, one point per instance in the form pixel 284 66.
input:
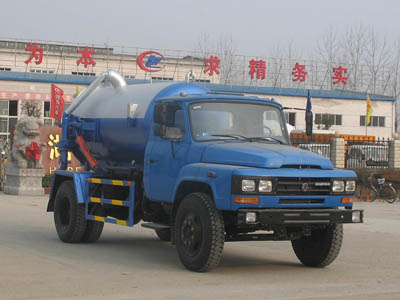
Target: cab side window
pixel 176 130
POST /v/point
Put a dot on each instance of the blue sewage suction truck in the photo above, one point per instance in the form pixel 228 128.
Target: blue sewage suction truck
pixel 200 168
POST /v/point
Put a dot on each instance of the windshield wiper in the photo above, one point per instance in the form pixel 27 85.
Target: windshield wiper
pixel 263 138
pixel 234 136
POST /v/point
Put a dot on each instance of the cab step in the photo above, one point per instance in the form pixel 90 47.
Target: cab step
pixel 155 226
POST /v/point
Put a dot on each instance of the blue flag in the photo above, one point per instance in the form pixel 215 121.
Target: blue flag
pixel 309 106
pixel 309 116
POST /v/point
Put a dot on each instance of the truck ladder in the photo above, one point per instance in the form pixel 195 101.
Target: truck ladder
pixel 130 204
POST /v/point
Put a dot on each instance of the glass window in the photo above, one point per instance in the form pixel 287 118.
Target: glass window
pixel 48 122
pixel 13 108
pixel 325 118
pixel 11 123
pixel 328 119
pixel 47 109
pixel 331 119
pixel 3 125
pixel 291 118
pixel 318 118
pixel 180 120
pixel 375 121
pixel 236 120
pixel 4 108
pixel 381 121
pixel 338 120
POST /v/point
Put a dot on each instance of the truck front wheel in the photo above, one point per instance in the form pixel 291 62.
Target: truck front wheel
pixel 320 248
pixel 69 215
pixel 199 232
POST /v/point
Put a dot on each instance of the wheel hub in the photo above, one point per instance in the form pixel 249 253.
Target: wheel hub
pixel 191 234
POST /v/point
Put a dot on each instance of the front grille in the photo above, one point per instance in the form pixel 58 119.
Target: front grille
pixel 303 186
pixel 301 201
pixel 300 167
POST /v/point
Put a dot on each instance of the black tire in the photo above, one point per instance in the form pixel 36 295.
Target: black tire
pixel 321 248
pixel 199 232
pixel 69 216
pixel 372 194
pixel 164 234
pixel 388 193
pixel 94 228
pixel 361 193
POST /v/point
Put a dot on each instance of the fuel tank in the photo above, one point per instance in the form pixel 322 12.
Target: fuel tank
pixel 121 118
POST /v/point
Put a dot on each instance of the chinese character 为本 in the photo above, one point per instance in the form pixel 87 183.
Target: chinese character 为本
pixel 85 58
pixel 36 53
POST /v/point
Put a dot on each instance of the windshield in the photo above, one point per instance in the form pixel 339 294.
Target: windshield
pixel 237 120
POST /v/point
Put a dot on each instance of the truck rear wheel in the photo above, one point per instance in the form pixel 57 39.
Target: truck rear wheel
pixel 321 248
pixel 69 215
pixel 199 232
pixel 93 228
pixel 164 234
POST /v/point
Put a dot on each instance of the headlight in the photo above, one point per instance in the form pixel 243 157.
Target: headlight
pixel 248 185
pixel 265 186
pixel 338 186
pixel 350 186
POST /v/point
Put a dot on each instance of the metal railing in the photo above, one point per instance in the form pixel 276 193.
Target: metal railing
pixel 367 155
pixel 322 147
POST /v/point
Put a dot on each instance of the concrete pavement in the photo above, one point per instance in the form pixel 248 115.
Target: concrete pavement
pixel 131 263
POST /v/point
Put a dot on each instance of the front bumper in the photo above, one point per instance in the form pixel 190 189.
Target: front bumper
pixel 300 216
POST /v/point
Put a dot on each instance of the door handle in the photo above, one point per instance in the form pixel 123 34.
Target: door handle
pixel 152 161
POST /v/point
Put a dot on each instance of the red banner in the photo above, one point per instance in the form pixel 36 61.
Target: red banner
pixel 57 102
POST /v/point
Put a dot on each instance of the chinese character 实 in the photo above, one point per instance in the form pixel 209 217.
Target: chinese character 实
pixel 212 65
pixel 85 58
pixel 36 53
pixel 339 76
pixel 299 72
pixel 258 67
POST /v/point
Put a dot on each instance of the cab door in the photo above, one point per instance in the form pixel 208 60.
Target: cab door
pixel 166 154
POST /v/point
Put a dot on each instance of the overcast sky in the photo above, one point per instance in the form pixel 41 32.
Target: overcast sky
pixel 255 26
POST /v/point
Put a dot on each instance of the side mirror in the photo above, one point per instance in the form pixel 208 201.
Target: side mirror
pixel 309 123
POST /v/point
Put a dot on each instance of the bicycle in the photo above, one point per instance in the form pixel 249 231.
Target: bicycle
pixel 377 187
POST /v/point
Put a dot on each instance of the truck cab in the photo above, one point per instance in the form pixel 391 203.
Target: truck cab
pixel 215 168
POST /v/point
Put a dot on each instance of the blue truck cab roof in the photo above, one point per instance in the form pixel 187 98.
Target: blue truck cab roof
pixel 218 97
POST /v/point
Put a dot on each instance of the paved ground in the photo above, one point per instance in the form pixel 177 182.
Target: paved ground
pixel 133 264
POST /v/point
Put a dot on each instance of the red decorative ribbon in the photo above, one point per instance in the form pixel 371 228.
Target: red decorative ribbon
pixel 33 151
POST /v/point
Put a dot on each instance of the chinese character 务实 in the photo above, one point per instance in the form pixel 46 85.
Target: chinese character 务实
pixel 299 72
pixel 339 76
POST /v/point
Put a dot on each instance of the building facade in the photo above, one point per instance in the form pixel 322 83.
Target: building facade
pixel 26 74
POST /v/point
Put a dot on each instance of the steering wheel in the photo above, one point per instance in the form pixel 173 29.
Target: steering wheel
pixel 269 130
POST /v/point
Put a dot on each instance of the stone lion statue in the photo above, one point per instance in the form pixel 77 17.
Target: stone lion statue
pixel 27 149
